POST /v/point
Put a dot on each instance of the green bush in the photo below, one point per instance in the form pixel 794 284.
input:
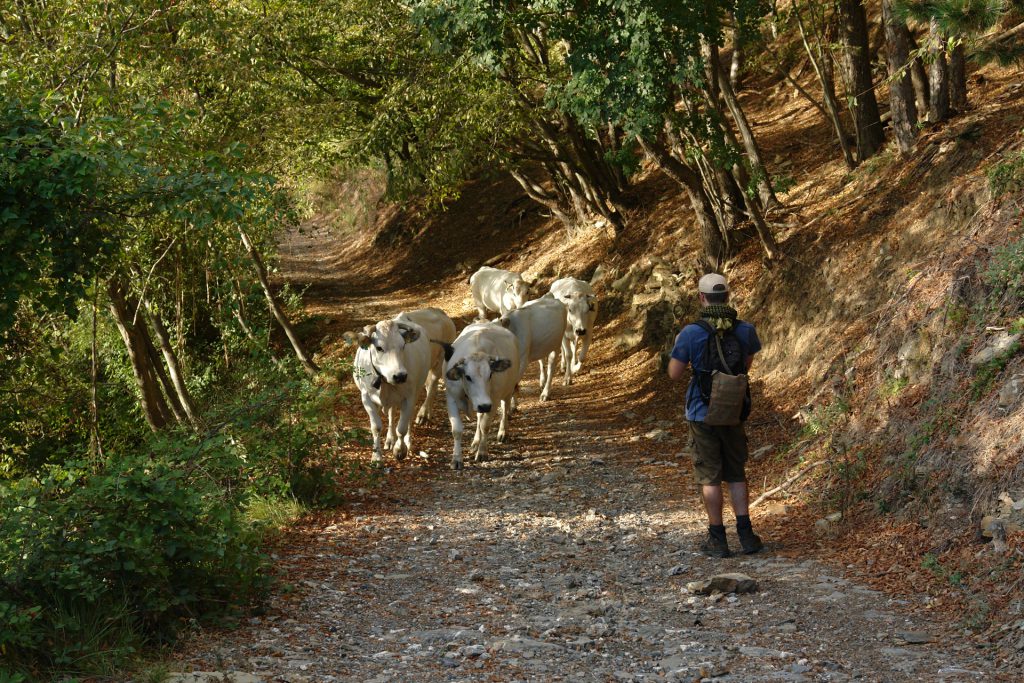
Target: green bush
pixel 1005 272
pixel 96 563
pixel 1008 175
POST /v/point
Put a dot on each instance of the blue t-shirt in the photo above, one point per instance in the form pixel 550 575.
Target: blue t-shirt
pixel 689 348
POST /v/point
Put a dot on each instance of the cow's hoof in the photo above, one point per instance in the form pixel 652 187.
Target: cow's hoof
pixel 502 437
pixel 377 462
pixel 457 466
pixel 543 397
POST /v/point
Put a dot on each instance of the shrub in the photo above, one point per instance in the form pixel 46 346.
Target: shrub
pixel 1008 175
pixel 96 563
pixel 1005 272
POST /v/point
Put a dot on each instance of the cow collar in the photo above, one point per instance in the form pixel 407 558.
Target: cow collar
pixel 380 377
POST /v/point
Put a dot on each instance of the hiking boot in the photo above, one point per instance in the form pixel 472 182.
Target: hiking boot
pixel 715 546
pixel 750 541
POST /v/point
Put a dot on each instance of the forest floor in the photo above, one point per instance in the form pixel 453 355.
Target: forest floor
pixel 566 557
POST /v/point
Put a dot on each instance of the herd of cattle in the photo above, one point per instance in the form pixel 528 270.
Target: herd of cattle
pixel 398 359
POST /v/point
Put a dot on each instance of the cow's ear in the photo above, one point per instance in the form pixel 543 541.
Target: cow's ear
pixel 500 364
pixel 363 336
pixel 504 321
pixel 449 351
pixel 456 372
pixel 409 334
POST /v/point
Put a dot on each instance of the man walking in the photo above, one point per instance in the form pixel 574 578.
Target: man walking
pixel 720 452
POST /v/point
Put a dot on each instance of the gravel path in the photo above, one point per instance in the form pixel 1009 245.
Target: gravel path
pixel 565 558
pixel 561 560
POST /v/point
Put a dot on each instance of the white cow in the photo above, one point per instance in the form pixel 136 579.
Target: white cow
pixel 581 303
pixel 440 330
pixel 481 372
pixel 391 365
pixel 539 327
pixel 497 290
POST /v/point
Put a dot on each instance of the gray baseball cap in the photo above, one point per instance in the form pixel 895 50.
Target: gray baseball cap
pixel 713 283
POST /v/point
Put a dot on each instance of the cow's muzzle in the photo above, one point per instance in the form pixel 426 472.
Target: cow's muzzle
pixel 483 408
pixel 399 377
pixel 581 333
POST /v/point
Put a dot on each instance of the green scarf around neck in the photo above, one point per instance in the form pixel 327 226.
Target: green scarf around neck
pixel 721 316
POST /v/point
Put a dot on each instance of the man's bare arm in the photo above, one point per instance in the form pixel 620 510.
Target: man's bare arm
pixel 676 368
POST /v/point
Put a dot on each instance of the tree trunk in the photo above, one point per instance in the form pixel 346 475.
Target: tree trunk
pixel 938 75
pixel 919 76
pixel 958 78
pixel 95 444
pixel 901 86
pixel 736 62
pixel 275 307
pixel 711 238
pixel 158 367
pixel 717 183
pixel 174 369
pixel 823 70
pixel 764 185
pixel 545 199
pixel 586 179
pixel 154 408
pixel 860 87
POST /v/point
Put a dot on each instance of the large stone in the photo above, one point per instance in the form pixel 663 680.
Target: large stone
pixel 1011 391
pixel 989 523
pixel 1002 343
pixel 723 583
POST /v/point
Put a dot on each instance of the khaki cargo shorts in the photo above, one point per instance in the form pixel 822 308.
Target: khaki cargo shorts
pixel 719 453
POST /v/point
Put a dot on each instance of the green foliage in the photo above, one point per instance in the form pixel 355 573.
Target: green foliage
pixel 1007 176
pixel 1005 271
pixel 985 376
pixel 72 195
pixel 824 417
pixel 102 558
pixel 893 387
pixel 931 563
pixel 93 557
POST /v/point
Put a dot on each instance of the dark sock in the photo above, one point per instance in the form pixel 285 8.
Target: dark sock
pixel 717 530
pixel 743 522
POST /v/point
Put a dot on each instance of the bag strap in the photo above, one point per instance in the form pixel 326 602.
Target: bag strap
pixel 718 343
pixel 707 327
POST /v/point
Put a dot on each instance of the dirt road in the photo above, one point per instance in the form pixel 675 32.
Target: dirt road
pixel 567 557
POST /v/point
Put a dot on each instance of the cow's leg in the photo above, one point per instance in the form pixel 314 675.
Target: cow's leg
pixel 567 359
pixel 546 371
pixel 515 399
pixel 580 351
pixel 455 417
pixel 483 421
pixel 392 422
pixel 375 425
pixel 503 425
pixel 403 442
pixel 476 434
pixel 426 410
